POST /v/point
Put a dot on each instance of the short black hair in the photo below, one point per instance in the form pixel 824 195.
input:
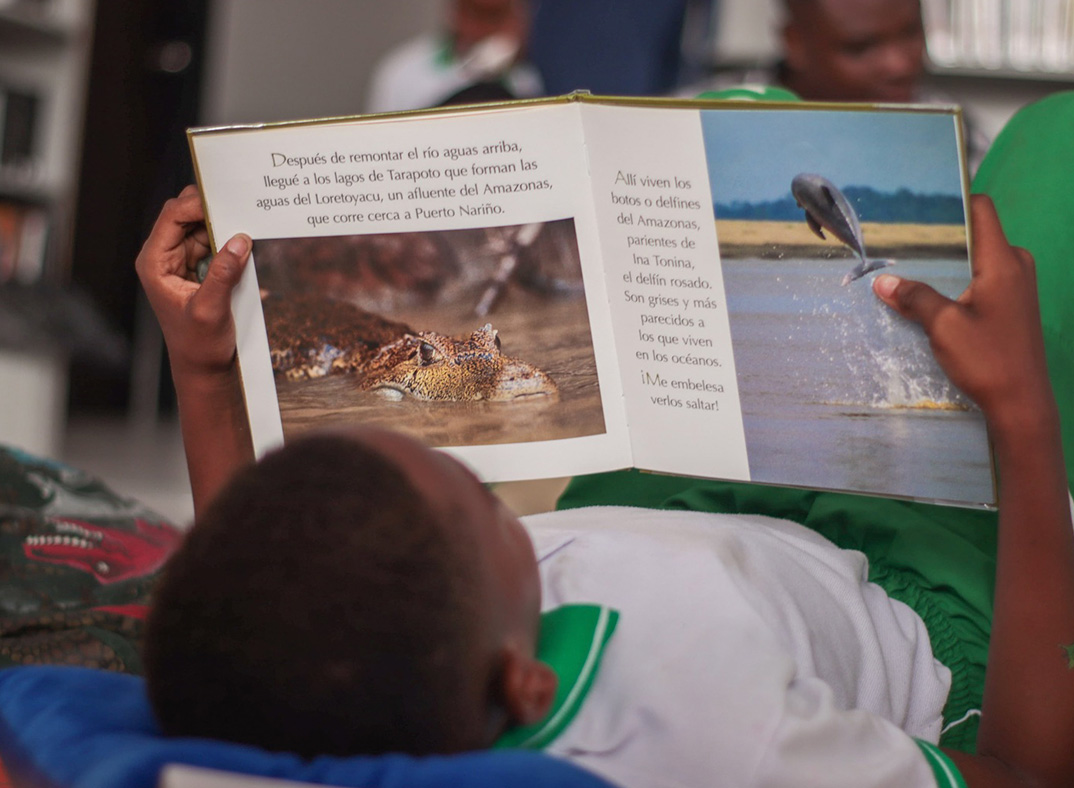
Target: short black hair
pixel 320 606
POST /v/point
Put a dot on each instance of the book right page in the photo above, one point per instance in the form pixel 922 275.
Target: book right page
pixel 835 390
pixel 666 296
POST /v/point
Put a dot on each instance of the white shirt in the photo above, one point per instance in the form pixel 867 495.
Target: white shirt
pixel 421 73
pixel 749 651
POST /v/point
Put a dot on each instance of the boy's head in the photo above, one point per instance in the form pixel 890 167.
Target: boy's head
pixel 350 593
pixel 854 50
pixel 474 21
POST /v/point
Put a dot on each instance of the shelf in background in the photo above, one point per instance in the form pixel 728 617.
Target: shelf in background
pixel 23 24
pixel 44 52
pixel 1002 39
pixel 31 192
pixel 1005 74
pixel 734 66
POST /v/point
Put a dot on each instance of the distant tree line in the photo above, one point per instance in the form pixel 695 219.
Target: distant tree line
pixel 902 206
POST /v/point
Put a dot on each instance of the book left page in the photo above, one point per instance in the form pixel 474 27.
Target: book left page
pixel 438 274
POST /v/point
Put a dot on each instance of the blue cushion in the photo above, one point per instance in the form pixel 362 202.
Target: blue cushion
pixel 64 727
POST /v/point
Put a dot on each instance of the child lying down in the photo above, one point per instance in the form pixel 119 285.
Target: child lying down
pixel 359 593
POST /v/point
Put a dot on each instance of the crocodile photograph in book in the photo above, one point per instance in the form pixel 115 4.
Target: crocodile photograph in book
pixel 460 337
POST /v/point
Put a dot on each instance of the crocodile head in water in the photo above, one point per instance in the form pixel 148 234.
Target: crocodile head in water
pixel 310 338
pixel 431 366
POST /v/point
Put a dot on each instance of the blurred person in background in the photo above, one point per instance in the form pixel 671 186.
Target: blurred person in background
pixel 853 50
pixel 482 44
pixel 870 51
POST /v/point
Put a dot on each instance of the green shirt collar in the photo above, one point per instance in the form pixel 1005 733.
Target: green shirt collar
pixel 571 642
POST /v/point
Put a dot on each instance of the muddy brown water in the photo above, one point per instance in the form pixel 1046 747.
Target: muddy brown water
pixel 550 333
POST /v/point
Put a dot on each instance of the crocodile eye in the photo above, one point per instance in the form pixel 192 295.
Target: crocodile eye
pixel 426 354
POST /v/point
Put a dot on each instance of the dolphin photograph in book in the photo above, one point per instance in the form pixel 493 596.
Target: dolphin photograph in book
pixel 824 368
pixel 579 284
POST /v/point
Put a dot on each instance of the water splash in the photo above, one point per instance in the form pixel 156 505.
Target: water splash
pixel 887 361
pixel 907 373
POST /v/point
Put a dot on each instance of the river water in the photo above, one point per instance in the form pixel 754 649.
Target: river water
pixel 838 392
pixel 552 334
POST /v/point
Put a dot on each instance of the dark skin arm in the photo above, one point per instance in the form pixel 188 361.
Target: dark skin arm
pixel 990 344
pixel 200 334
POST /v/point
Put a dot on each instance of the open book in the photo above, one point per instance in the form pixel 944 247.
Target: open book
pixel 564 286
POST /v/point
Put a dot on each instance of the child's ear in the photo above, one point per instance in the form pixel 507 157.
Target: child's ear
pixel 529 687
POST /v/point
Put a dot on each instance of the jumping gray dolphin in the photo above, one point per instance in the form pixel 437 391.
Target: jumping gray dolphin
pixel 826 208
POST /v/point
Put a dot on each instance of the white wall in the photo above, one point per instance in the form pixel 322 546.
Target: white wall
pixel 34 385
pixel 286 59
pixel 747 31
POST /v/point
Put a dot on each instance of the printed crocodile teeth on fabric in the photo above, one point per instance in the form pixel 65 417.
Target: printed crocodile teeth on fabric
pixel 72 541
pixel 72 528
